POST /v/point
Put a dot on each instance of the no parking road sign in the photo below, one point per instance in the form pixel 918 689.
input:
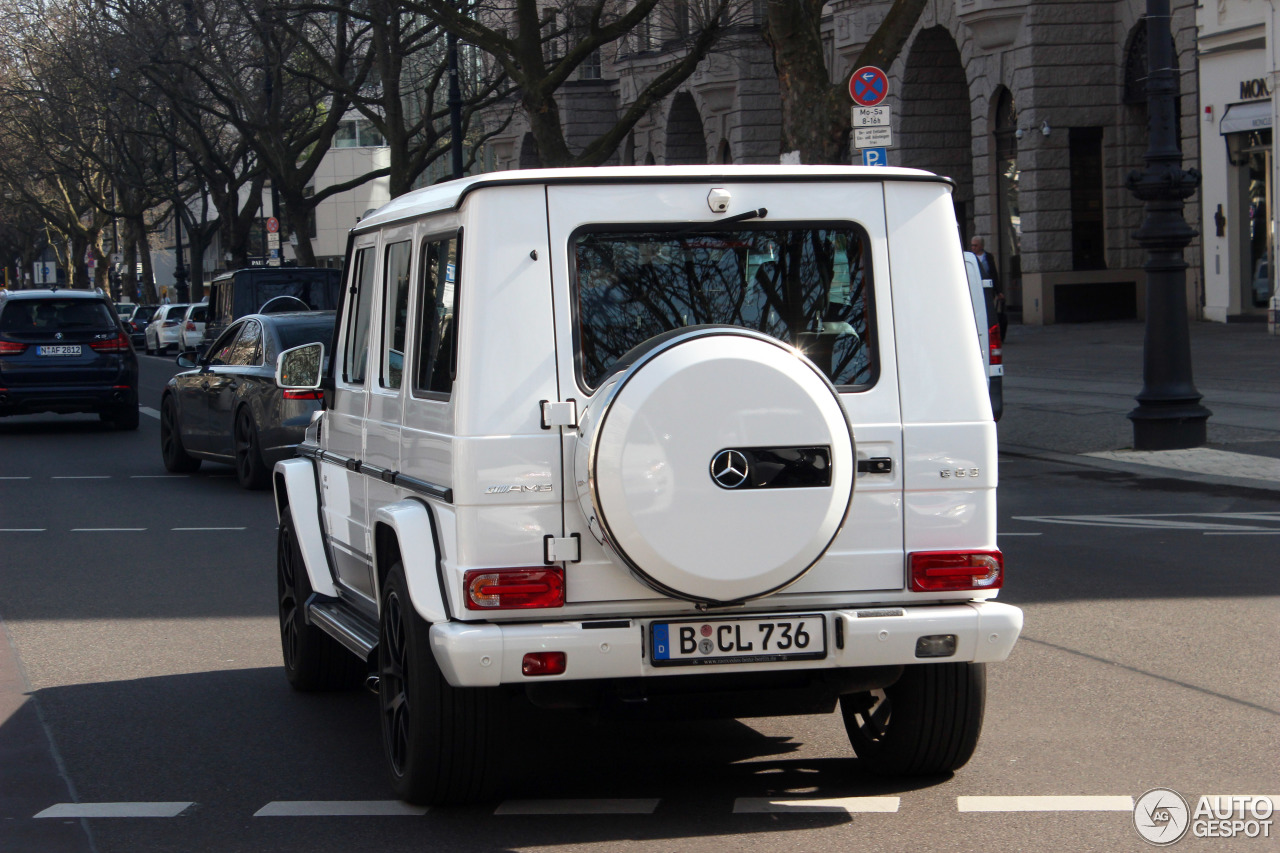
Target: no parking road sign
pixel 868 86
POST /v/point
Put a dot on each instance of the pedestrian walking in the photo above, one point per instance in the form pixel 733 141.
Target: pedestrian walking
pixel 987 266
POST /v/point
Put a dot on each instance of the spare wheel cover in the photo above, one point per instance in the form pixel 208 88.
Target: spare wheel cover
pixel 662 448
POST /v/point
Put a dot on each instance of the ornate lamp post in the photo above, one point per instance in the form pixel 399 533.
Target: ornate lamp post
pixel 1169 415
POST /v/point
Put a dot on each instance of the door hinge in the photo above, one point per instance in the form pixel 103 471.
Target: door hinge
pixel 562 550
pixel 556 414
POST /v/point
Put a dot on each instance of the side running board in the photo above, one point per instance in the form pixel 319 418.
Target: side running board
pixel 353 629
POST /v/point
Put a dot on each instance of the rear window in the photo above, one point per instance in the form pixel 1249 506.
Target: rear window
pixel 29 315
pixel 146 312
pixel 295 336
pixel 809 286
pixel 198 313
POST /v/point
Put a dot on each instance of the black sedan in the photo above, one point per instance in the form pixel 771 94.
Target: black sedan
pixel 136 323
pixel 229 408
pixel 66 351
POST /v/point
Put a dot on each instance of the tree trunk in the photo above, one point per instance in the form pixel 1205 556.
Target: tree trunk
pixel 815 114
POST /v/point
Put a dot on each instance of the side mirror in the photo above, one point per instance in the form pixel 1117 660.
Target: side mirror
pixel 187 359
pixel 299 368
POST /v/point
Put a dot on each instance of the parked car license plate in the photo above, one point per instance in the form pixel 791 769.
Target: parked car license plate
pixel 758 640
pixel 60 349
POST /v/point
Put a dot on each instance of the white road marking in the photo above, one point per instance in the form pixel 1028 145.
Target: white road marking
pixel 83 477
pixel 565 807
pixel 338 808
pixel 206 528
pixel 72 810
pixel 149 412
pixel 158 476
pixel 1159 521
pixel 15 478
pixel 849 805
pixel 1242 533
pixel 108 530
pixel 1019 534
pixel 1045 804
pixel 22 529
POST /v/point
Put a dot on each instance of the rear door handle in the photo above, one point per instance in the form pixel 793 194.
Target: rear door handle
pixel 876 465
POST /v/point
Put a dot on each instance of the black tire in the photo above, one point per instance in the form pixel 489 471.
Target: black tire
pixel 251 470
pixel 146 346
pixel 313 660
pixel 924 724
pixel 176 458
pixel 441 743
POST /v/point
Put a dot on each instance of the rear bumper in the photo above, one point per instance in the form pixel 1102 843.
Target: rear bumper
pixel 486 655
pixel 64 399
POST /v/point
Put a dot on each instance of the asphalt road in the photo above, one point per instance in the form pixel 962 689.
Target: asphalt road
pixel 139 614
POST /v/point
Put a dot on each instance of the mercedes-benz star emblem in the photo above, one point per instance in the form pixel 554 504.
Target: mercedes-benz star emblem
pixel 729 469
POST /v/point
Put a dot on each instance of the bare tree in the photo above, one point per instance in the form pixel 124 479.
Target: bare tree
pixel 540 46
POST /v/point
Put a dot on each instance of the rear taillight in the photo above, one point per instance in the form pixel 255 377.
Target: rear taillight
pixel 191 327
pixel 948 571
pixel 119 343
pixel 295 394
pixel 168 324
pixel 12 348
pixel 994 345
pixel 509 589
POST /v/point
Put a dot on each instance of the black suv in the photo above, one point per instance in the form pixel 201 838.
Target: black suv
pixel 66 351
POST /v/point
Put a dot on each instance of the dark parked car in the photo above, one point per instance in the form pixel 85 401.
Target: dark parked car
pixel 236 294
pixel 229 409
pixel 66 351
pixel 136 323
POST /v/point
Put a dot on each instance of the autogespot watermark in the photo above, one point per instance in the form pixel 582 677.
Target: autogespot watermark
pixel 1162 816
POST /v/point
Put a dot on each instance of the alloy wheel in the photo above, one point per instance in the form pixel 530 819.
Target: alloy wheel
pixel 393 684
pixel 288 600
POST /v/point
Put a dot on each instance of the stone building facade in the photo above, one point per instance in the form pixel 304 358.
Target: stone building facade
pixel 1035 108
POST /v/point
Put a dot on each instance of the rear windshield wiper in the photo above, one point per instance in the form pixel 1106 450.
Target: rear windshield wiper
pixel 741 217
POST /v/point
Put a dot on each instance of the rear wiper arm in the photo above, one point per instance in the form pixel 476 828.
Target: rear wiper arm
pixel 741 217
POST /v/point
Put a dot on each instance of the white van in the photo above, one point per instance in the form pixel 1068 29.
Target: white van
pixel 710 438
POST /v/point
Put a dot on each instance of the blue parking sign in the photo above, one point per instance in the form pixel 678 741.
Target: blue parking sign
pixel 875 156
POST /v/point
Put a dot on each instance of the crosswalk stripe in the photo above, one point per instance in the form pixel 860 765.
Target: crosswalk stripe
pixel 149 412
pixel 1045 804
pixel 339 808
pixel 583 807
pixel 850 805
pixel 76 810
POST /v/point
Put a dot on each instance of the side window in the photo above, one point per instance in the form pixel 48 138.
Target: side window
pixel 224 346
pixel 357 350
pixel 437 351
pixel 395 312
pixel 248 347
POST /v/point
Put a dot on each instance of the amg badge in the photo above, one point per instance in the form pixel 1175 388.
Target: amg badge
pixel 502 490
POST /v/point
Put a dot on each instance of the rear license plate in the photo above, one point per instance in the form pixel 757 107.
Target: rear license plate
pixel 759 640
pixel 61 349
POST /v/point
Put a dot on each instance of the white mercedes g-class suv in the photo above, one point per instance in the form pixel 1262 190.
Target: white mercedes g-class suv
pixel 713 438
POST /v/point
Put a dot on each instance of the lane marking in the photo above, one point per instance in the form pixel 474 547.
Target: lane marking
pixel 568 807
pixel 74 810
pixel 338 808
pixel 1045 804
pixel 1242 533
pixel 149 412
pixel 83 477
pixel 1019 534
pixel 206 528
pixel 848 805
pixel 158 476
pixel 15 478
pixel 1153 521
pixel 108 529
pixel 22 529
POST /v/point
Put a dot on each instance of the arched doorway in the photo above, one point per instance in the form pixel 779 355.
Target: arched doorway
pixel 1007 238
pixel 936 123
pixel 686 141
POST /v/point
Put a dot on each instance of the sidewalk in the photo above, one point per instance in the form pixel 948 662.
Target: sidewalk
pixel 1069 387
